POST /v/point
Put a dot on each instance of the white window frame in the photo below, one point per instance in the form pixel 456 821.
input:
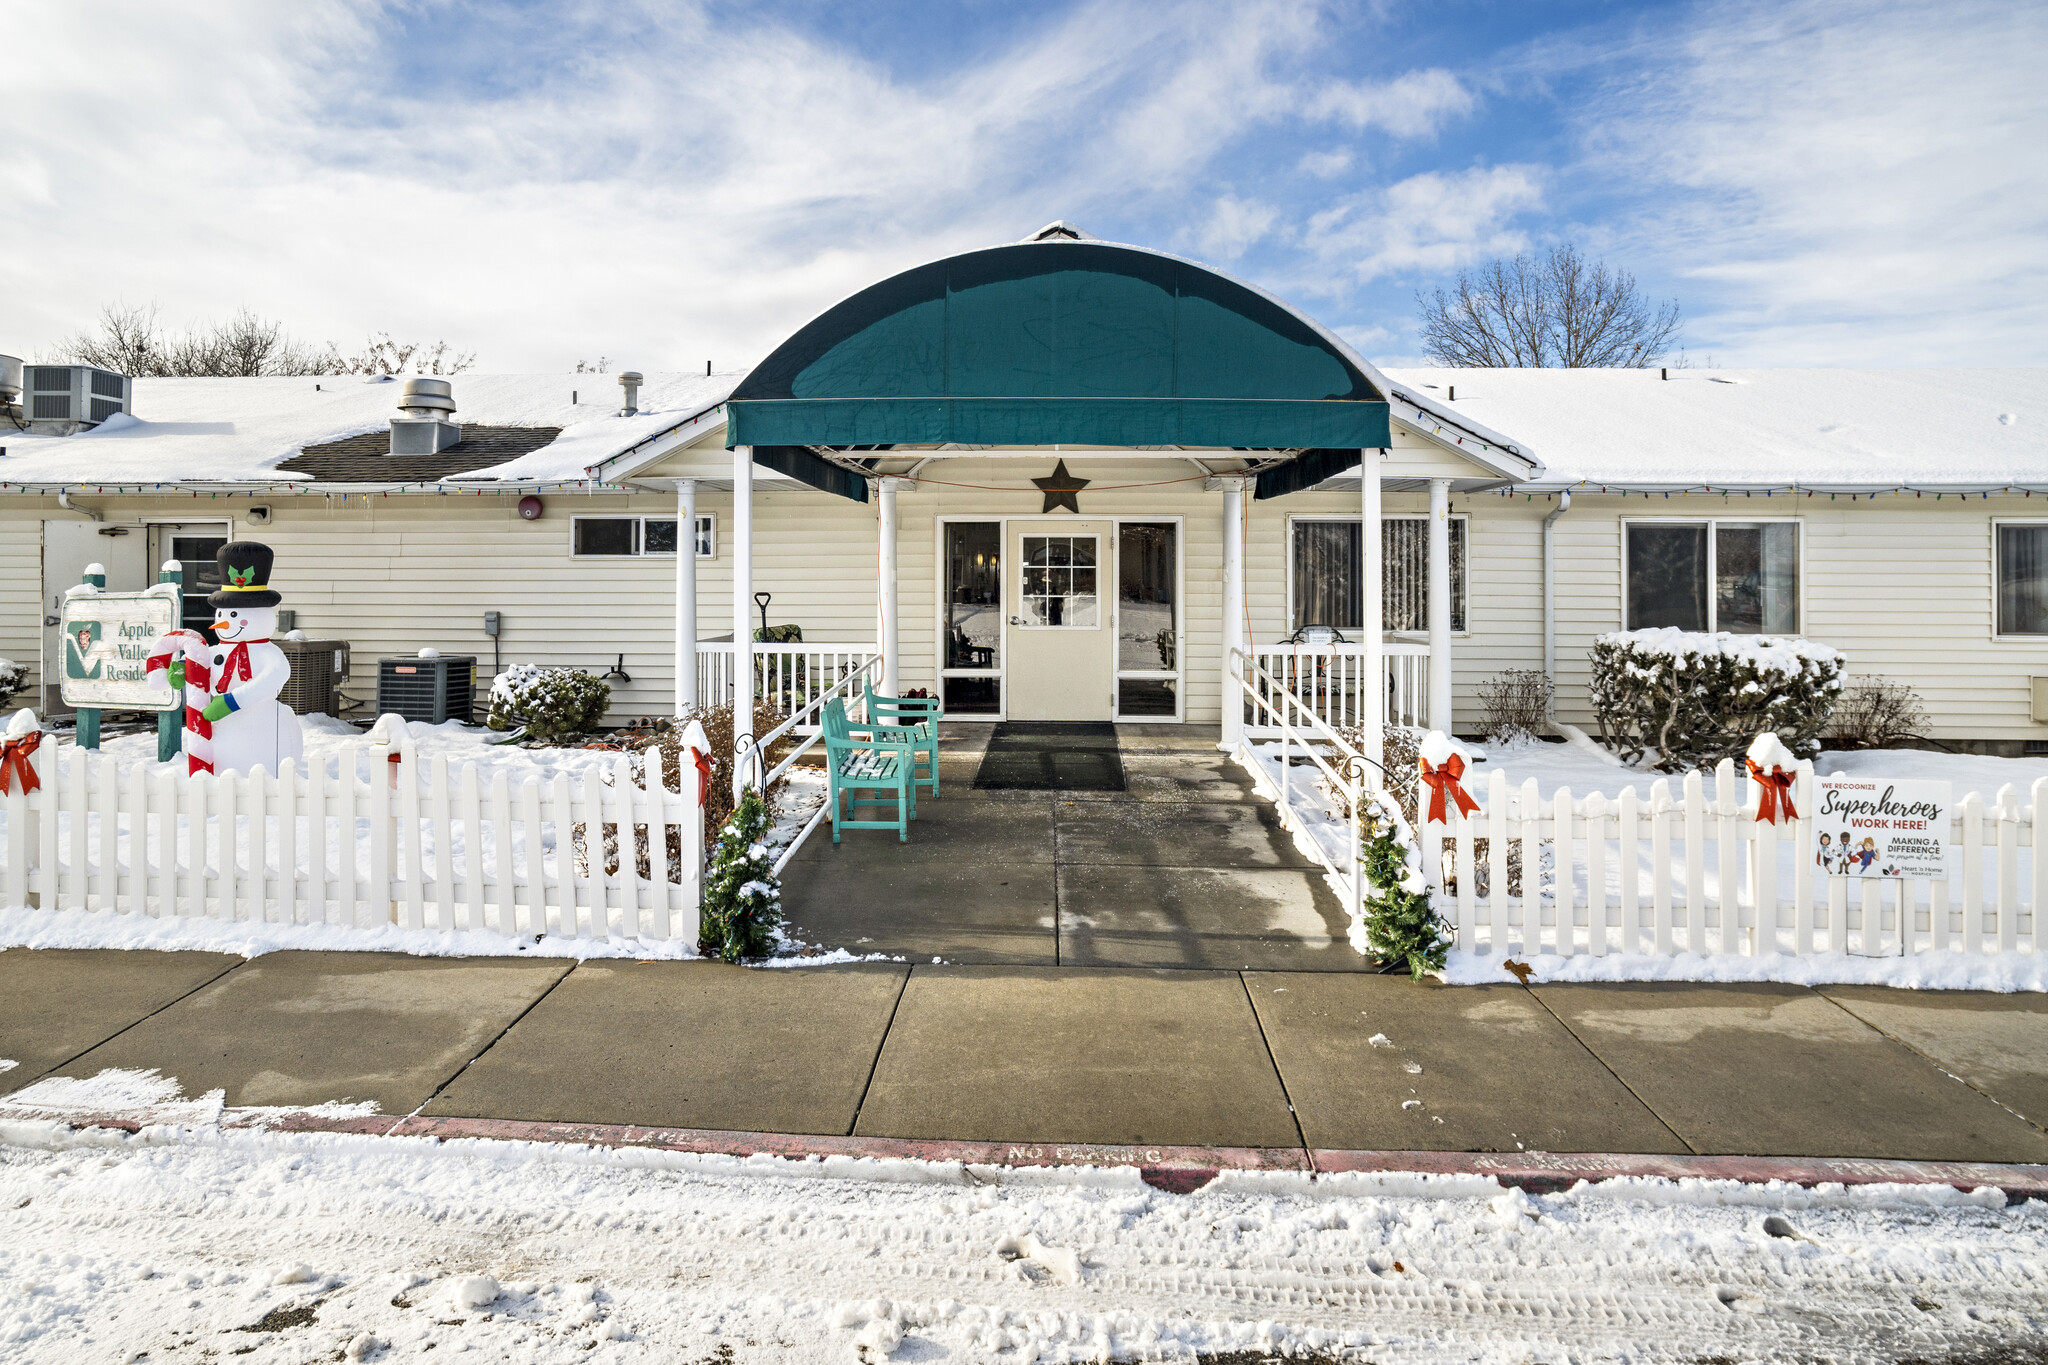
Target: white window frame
pixel 1713 563
pixel 1287 569
pixel 1997 636
pixel 1178 675
pixel 706 521
pixel 1102 618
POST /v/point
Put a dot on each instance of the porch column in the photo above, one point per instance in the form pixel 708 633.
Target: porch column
pixel 742 611
pixel 886 581
pixel 1233 607
pixel 686 595
pixel 1372 613
pixel 1440 605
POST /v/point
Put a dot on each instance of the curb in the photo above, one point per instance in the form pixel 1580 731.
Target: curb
pixel 1174 1169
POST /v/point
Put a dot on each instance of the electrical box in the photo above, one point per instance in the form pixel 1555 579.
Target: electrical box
pixel 2040 699
pixel 491 623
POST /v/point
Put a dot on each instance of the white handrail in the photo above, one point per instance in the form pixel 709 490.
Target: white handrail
pixel 816 705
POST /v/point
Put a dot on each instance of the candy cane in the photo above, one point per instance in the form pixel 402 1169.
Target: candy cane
pixel 190 647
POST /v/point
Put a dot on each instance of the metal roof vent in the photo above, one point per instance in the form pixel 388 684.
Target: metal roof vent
pixel 10 380
pixel 1060 231
pixel 65 399
pixel 630 382
pixel 428 426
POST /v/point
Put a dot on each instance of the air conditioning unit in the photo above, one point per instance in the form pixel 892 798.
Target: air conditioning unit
pixel 427 691
pixel 319 667
pixel 74 396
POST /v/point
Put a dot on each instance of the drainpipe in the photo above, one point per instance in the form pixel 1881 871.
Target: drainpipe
pixel 64 501
pixel 1564 505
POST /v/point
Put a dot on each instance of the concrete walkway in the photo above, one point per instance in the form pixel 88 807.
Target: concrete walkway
pixel 1186 868
pixel 1269 1060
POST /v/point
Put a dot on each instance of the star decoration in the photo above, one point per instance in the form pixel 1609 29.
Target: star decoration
pixel 1060 488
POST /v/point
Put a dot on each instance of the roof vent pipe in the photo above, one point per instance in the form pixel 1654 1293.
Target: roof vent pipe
pixel 630 382
pixel 427 426
pixel 10 380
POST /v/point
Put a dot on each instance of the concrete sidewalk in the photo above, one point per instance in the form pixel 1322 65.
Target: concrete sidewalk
pixel 1268 1060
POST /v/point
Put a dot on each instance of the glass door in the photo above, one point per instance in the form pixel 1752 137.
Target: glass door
pixel 196 546
pixel 971 662
pixel 1148 621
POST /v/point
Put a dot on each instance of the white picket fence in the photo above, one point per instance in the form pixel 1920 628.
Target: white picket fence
pixel 375 838
pixel 1677 870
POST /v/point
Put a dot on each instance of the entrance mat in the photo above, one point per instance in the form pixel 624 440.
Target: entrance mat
pixel 1051 756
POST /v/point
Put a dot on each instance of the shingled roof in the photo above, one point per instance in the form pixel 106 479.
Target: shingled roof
pixel 367 458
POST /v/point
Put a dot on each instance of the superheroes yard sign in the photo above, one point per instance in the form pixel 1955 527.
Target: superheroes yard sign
pixel 107 637
pixel 1874 827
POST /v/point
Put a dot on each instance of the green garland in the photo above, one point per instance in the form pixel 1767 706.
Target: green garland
pixel 1401 927
pixel 742 898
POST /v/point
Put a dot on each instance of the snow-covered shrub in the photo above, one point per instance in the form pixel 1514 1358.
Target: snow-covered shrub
pixel 12 676
pixel 1877 713
pixel 1402 927
pixel 742 898
pixel 549 702
pixel 1687 698
pixel 1514 704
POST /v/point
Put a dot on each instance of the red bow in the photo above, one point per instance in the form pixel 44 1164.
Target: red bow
pixel 703 762
pixel 1776 793
pixel 14 763
pixel 1442 780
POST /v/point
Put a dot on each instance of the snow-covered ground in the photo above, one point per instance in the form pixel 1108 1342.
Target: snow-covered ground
pixel 193 1241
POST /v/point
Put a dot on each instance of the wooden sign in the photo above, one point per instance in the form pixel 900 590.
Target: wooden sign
pixel 107 638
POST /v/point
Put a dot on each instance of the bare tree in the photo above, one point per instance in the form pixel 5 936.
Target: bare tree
pixel 382 355
pixel 130 340
pixel 1560 311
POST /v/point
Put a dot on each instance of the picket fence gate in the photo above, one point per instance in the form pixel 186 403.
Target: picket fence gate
pixel 610 853
pixel 1631 874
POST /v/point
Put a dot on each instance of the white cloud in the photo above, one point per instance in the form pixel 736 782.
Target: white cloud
pixel 1432 222
pixel 1323 165
pixel 1413 105
pixel 1854 183
pixel 1233 225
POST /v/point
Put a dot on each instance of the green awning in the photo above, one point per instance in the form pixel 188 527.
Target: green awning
pixel 1056 343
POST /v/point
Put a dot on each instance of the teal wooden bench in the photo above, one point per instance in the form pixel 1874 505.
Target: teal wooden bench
pixel 921 714
pixel 869 759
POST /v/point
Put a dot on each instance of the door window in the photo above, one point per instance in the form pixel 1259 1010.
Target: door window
pixel 972 672
pixel 1058 585
pixel 197 557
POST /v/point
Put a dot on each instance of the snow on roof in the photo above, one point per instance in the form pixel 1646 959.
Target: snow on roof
pixel 237 431
pixel 1826 430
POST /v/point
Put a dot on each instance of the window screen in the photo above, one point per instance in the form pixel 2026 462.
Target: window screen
pixel 1756 577
pixel 2023 580
pixel 1326 587
pixel 607 535
pixel 658 537
pixel 1667 576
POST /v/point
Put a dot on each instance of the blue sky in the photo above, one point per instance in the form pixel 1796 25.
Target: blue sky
pixel 1817 182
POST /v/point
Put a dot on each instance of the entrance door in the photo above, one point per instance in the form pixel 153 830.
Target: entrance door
pixel 195 545
pixel 1062 655
pixel 68 546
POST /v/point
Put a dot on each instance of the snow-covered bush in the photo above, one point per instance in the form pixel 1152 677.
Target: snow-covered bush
pixel 1402 927
pixel 12 676
pixel 742 899
pixel 1687 698
pixel 549 702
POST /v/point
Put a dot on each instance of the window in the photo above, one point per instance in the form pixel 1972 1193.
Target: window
pixel 1058 590
pixel 605 537
pixel 1736 576
pixel 1147 621
pixel 2022 579
pixel 1325 586
pixel 972 676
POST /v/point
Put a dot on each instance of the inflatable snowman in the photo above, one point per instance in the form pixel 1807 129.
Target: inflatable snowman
pixel 233 719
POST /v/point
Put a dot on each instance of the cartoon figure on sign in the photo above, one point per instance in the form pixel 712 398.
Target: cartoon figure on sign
pixel 1826 856
pixel 1865 855
pixel 233 719
pixel 83 652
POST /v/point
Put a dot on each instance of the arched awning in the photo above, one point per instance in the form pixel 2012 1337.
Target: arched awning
pixel 1054 341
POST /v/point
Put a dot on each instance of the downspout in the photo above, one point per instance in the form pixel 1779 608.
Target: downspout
pixel 64 501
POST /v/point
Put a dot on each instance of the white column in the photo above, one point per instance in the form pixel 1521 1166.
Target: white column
pixel 742 610
pixel 1440 605
pixel 1373 615
pixel 887 586
pixel 686 595
pixel 1233 608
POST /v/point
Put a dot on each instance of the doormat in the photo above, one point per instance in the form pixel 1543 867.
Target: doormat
pixel 1051 756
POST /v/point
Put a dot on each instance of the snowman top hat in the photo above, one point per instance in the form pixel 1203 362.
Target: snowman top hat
pixel 244 576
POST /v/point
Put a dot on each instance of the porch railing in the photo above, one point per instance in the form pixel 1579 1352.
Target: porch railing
pixel 791 678
pixel 1329 682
